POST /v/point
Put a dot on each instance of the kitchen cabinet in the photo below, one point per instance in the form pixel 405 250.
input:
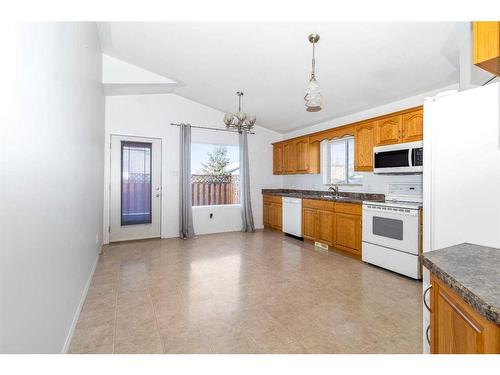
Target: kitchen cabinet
pixel 388 131
pixel 413 126
pixel 324 232
pixel 347 235
pixel 455 328
pixel 301 155
pixel 289 157
pixel 407 127
pixel 272 212
pixel 296 156
pixel 310 223
pixel 277 159
pixel 335 224
pixel 486 45
pixel 363 148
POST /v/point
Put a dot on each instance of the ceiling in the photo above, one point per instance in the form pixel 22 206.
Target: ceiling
pixel 358 65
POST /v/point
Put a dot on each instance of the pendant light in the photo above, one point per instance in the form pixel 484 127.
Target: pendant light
pixel 313 97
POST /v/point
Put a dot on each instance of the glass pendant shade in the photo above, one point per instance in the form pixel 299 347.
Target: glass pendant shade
pixel 313 97
pixel 228 118
pixel 241 116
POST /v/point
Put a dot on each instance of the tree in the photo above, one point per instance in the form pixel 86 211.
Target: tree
pixel 217 162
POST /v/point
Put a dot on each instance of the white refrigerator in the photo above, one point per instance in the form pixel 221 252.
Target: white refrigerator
pixel 461 174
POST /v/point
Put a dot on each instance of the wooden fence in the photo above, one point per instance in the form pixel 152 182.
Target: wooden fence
pixel 214 190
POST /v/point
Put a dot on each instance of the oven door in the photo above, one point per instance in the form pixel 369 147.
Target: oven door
pixel 391 227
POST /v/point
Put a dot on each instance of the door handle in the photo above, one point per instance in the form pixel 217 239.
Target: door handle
pixel 427 334
pixel 425 303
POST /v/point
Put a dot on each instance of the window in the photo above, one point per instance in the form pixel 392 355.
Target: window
pixel 215 174
pixel 338 162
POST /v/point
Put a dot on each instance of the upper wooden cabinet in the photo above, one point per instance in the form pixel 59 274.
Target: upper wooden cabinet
pixel 278 159
pixel 363 156
pixel 388 131
pixel 296 156
pixel 302 154
pixel 486 49
pixel 289 157
pixel 406 127
pixel 413 126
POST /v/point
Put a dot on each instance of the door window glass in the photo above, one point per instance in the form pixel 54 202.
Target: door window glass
pixel 135 183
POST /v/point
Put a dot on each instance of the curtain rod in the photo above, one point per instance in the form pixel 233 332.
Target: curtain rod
pixel 208 128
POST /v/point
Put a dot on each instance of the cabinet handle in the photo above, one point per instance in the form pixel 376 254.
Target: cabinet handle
pixel 425 302
pixel 427 334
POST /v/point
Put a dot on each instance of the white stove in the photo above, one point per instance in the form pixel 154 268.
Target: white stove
pixel 391 230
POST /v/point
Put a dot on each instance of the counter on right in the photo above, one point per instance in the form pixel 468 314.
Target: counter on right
pixel 463 299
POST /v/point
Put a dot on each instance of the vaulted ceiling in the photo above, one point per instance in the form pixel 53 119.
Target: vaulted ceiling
pixel 358 65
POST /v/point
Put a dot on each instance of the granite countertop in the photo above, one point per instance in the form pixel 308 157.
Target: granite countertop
pixel 472 271
pixel 357 198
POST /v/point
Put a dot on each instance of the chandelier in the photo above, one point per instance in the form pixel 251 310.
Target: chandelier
pixel 239 121
pixel 313 96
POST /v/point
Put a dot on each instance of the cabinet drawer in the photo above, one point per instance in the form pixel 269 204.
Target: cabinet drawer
pixel 348 208
pixel 272 199
pixel 318 204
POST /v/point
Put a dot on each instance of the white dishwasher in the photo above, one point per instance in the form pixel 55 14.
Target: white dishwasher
pixel 292 216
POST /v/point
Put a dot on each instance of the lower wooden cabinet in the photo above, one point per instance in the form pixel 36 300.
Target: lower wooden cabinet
pixel 325 227
pixel 347 234
pixel 310 223
pixel 335 224
pixel 456 328
pixel 272 212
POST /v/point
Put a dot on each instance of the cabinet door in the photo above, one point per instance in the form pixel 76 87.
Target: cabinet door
pixel 347 234
pixel 363 157
pixel 310 223
pixel 289 157
pixel 486 45
pixel 456 328
pixel 277 216
pixel 267 214
pixel 277 159
pixel 413 126
pixel 325 227
pixel 388 131
pixel 302 155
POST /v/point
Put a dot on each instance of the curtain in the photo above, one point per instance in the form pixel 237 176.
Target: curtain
pixel 245 200
pixel 186 229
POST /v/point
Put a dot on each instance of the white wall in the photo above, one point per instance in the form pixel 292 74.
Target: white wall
pixel 150 116
pixel 51 189
pixel 372 183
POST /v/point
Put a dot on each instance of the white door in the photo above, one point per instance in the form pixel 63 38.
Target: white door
pixel 135 201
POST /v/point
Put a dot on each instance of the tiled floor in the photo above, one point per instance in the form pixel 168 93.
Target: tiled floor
pixel 245 293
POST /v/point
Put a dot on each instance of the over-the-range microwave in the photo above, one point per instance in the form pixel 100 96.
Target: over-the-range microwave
pixel 398 158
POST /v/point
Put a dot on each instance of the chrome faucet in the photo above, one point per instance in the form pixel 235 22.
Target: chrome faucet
pixel 334 189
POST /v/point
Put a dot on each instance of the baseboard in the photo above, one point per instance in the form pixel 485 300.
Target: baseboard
pixel 71 331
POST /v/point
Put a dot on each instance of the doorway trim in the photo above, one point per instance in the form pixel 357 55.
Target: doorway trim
pixel 107 182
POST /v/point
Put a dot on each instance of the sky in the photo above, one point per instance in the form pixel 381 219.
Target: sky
pixel 199 153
